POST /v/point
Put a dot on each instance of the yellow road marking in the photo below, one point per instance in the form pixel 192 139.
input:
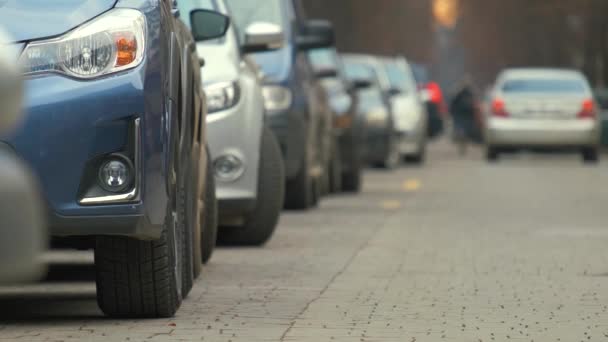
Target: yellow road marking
pixel 391 205
pixel 411 185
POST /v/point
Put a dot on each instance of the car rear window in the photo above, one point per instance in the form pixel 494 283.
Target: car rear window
pixel 544 86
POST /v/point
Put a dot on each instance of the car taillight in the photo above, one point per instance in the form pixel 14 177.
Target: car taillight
pixel 499 108
pixel 434 93
pixel 588 111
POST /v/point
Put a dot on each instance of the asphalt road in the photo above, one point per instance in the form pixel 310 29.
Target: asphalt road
pixel 458 250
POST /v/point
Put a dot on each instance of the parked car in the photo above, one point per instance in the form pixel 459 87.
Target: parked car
pixel 432 95
pixel 542 108
pixel 247 161
pixel 23 235
pixel 297 110
pixel 114 115
pixel 346 166
pixel 601 96
pixel 379 130
pixel 411 118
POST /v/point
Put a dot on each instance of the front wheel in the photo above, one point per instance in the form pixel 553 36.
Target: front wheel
pixel 391 160
pixel 209 216
pixel 418 158
pixel 302 192
pixel 590 155
pixel 261 223
pixel 140 279
pixel 492 154
pixel 335 172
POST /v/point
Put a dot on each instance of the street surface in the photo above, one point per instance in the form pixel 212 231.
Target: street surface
pixel 459 250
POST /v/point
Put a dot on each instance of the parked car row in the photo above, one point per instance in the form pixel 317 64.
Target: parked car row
pixel 158 128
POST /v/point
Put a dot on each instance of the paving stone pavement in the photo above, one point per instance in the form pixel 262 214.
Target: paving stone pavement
pixel 457 250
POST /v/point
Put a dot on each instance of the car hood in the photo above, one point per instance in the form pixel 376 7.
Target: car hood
pixel 220 63
pixel 275 64
pixel 28 20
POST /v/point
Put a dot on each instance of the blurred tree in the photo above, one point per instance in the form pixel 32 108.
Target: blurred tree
pixel 386 27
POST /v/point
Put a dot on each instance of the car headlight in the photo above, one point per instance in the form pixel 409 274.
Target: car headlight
pixel 221 96
pixel 276 98
pixel 115 41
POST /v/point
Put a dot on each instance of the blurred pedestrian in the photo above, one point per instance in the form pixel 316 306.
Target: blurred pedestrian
pixel 463 110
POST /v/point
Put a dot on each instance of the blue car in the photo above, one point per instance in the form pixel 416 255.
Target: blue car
pixel 114 129
pixel 298 110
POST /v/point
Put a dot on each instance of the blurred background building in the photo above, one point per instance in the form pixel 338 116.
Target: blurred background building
pixel 476 37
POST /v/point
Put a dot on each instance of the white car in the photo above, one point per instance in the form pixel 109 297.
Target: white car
pixel 411 119
pixel 531 108
pixel 246 156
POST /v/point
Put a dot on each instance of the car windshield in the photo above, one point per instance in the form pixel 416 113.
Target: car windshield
pixel 246 12
pixel 543 86
pixel 358 71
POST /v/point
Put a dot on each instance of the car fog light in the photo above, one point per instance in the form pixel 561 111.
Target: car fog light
pixel 228 168
pixel 115 175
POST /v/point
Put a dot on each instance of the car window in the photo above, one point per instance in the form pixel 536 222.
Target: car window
pixel 397 77
pixel 323 58
pixel 246 12
pixel 544 86
pixel 358 71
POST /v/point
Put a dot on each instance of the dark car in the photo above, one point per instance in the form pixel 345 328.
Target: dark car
pixel 297 109
pixel 382 138
pixel 114 114
pixel 379 148
pixel 348 125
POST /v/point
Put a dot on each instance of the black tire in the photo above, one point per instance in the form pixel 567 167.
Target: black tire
pixel 140 279
pixel 590 155
pixel 391 160
pixel 301 190
pixel 209 216
pixel 261 223
pixel 198 212
pixel 492 154
pixel 186 212
pixel 418 158
pixel 335 172
pixel 351 180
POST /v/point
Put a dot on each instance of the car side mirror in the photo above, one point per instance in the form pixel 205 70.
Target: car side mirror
pixel 263 36
pixel 316 34
pixel 11 85
pixel 326 73
pixel 208 25
pixel 394 91
pixel 361 83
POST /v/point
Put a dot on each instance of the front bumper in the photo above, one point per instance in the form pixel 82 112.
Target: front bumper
pixel 237 132
pixel 69 126
pixel 514 132
pixel 412 141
